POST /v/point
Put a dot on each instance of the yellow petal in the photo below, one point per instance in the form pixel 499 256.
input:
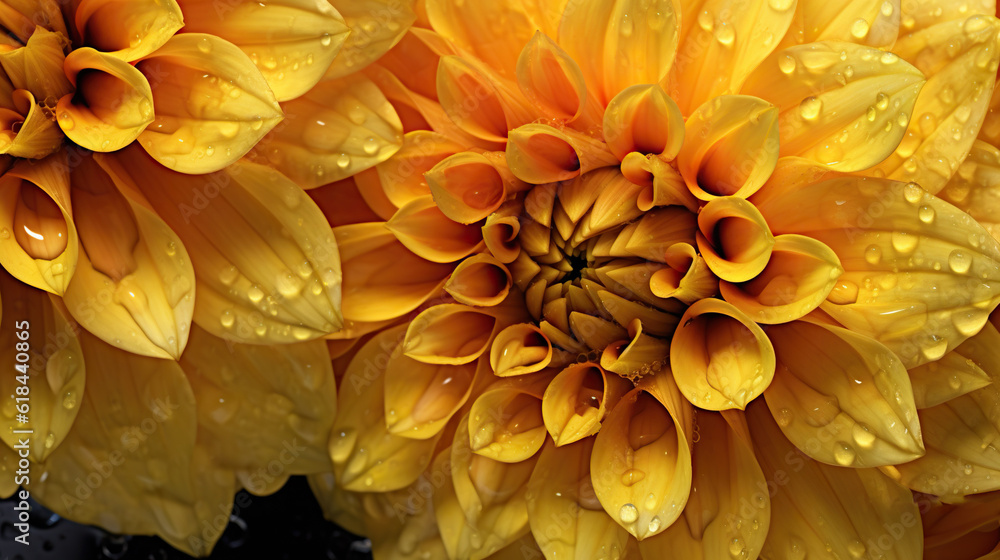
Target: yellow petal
pixel 366 456
pixel 127 29
pixel 112 104
pixel 688 278
pixel 376 25
pixel 818 508
pixel 842 398
pixel 951 107
pixel 664 185
pixel 134 284
pixel 538 153
pixel 798 277
pixel 734 238
pixel 638 356
pixel 382 278
pixel 449 334
pixel 500 233
pixel 480 280
pixel 621 43
pixel 21 17
pixel 292 42
pixel 641 461
pixel 484 507
pixel 505 422
pixel 338 128
pixel 211 104
pixel 932 271
pixel 520 349
pixel 958 372
pixel 975 189
pixel 38 241
pixel 722 519
pixel 44 357
pixel 720 357
pixel 565 516
pixel 128 464
pixel 467 187
pixel 577 399
pixel 255 283
pixel 728 37
pixel 842 105
pixel 550 78
pixel 425 230
pixel 642 118
pixel 37 66
pixel 921 14
pixel 421 398
pixel 732 147
pixel 26 130
pixel 874 23
pixel 402 175
pixel 258 404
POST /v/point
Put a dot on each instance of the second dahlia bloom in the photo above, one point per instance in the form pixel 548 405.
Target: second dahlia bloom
pixel 656 279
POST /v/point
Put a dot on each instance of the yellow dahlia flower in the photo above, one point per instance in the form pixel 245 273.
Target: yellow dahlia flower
pixel 692 278
pixel 166 280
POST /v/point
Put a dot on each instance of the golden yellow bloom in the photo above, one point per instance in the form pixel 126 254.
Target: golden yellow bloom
pixel 614 225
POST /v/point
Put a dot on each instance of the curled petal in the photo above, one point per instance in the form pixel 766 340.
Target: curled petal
pixel 520 349
pixel 484 508
pixel 292 42
pixel 112 104
pixel 734 239
pixel 732 147
pixel 664 185
pixel 538 153
pixel 577 400
pixel 425 230
pixel 54 369
pixel 637 357
pixel 727 36
pixel 816 506
pixel 921 276
pixel 505 422
pixel 366 456
pixel 643 118
pixel 37 66
pixel 842 398
pixel 211 103
pixel 721 358
pixel 20 18
pixel 382 278
pixel 688 278
pixel 656 229
pixel 726 480
pixel 848 123
pixel 127 29
pixel 480 280
pixel 449 334
pixel 621 43
pixel 561 494
pixel 480 103
pixel 376 26
pixel 277 394
pixel 550 78
pixel 641 462
pixel 950 109
pixel 975 189
pixel 402 175
pixel 134 284
pixel 38 240
pixel 500 235
pixel 874 23
pixel 467 187
pixel 26 131
pixel 337 129
pixel 254 286
pixel 798 277
pixel 421 397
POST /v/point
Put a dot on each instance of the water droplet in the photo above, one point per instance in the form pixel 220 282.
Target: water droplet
pixel 967 469
pixel 935 348
pixel 706 20
pixel 4 233
pixel 859 29
pixel 904 242
pixel 887 8
pixel 810 108
pixel 69 400
pixel 632 476
pixel 856 549
pixel 844 454
pixel 926 214
pixel 628 513
pixel 780 5
pixel 204 45
pixel 326 40
pixel 796 549
pixel 171 248
pixel 737 547
pixel 889 58
pixel 725 34
pixel 970 321
pixel 975 24
pixel 903 119
pixel 913 193
pixel 227 319
pixel 873 254
pixel 626 26
pixel 863 435
pixel 255 293
pixel 228 275
pixel 786 64
pixel 871 113
pixel 784 417
pixel 881 101
pixel 959 261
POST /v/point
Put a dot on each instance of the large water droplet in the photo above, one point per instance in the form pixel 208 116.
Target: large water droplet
pixel 843 453
pixel 863 435
pixel 859 29
pixel 810 108
pixel 960 261
pixel 904 242
pixel 628 513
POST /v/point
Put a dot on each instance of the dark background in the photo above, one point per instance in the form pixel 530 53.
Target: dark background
pixel 286 525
